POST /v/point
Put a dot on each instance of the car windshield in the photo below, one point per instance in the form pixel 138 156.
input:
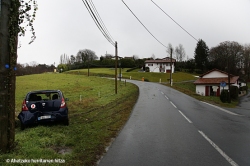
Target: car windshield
pixel 43 96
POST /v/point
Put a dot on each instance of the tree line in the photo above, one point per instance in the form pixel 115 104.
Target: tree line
pixel 33 68
pixel 228 56
pixel 87 58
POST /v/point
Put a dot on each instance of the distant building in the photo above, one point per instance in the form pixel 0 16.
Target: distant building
pixel 130 57
pixel 212 82
pixel 160 65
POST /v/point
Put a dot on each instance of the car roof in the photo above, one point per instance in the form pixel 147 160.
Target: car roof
pixel 45 91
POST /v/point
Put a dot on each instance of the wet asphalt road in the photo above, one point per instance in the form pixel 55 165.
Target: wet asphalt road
pixel 167 127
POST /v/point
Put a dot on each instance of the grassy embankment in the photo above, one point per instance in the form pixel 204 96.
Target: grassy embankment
pixel 95 118
pixel 182 81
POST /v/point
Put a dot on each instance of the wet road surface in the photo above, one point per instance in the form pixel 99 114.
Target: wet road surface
pixel 167 127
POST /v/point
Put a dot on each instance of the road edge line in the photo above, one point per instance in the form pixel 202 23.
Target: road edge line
pixel 219 150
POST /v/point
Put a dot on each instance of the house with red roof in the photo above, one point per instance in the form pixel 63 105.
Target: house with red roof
pixel 160 65
pixel 214 81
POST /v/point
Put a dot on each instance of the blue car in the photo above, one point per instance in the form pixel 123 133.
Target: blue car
pixel 43 106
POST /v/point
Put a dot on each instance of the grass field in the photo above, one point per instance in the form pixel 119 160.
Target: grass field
pixel 96 114
pixel 182 81
pixel 135 75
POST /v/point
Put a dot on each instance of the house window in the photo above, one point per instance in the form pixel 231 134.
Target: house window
pixel 150 64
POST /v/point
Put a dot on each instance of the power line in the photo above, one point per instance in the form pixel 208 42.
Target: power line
pixel 97 21
pixel 174 21
pixel 143 24
pixel 93 6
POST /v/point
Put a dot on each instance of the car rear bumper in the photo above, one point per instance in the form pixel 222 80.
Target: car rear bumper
pixel 26 117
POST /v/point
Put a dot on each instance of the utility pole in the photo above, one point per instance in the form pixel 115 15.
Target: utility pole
pixel 171 51
pixel 88 65
pixel 229 96
pixel 120 69
pixel 116 59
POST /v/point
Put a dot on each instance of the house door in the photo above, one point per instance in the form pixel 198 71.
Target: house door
pixel 207 90
pixel 218 91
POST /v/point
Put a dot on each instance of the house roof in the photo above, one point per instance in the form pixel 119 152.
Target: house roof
pixel 216 80
pixel 160 60
pixel 215 70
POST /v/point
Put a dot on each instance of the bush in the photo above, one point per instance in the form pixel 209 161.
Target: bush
pixel 234 92
pixel 147 69
pixel 224 96
pixel 244 88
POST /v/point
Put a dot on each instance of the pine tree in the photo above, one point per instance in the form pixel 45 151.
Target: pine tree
pixel 201 55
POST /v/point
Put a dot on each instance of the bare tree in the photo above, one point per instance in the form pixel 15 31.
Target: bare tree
pixel 135 57
pixel 108 56
pixel 72 59
pixel 33 63
pixel 180 53
pixel 64 59
pixel 246 60
pixel 153 56
pixel 170 49
pixel 227 55
pixel 78 58
pixel 87 55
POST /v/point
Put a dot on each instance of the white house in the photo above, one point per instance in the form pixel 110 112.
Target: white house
pixel 160 65
pixel 212 82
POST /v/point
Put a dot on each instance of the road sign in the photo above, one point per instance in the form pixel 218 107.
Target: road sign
pixel 223 84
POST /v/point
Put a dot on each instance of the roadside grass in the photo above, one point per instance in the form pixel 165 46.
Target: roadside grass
pixel 136 75
pixel 182 81
pixel 96 115
pixel 189 89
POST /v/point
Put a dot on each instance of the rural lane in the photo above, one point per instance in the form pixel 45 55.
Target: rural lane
pixel 167 127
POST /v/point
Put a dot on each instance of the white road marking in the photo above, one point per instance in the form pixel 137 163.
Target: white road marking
pixel 185 117
pixel 166 97
pixel 224 110
pixel 219 150
pixel 173 104
pixel 162 93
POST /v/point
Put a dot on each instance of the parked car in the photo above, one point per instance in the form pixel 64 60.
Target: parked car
pixel 43 106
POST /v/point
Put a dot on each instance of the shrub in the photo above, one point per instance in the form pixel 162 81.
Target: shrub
pixel 224 96
pixel 244 88
pixel 147 69
pixel 234 92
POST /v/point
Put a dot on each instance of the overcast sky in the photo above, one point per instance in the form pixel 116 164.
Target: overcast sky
pixel 65 27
